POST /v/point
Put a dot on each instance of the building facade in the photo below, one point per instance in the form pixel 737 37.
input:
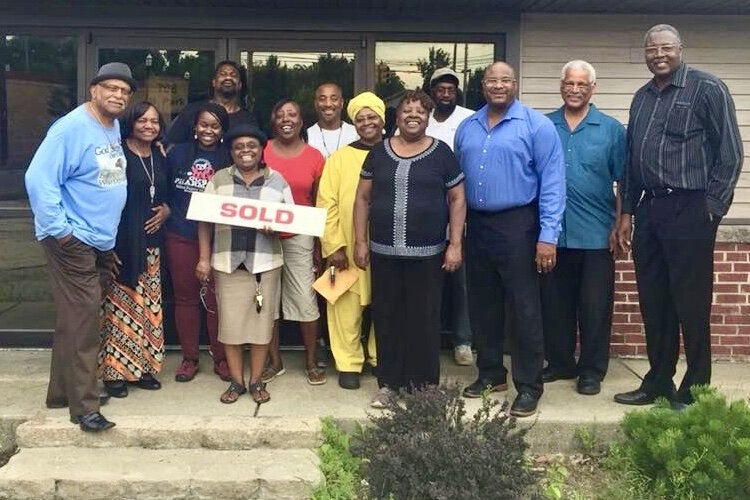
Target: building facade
pixel 50 50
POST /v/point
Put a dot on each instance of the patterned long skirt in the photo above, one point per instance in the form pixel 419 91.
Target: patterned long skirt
pixel 132 326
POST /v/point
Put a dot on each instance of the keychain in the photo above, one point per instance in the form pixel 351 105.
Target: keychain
pixel 258 294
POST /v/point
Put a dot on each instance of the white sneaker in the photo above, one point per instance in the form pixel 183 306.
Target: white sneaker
pixel 381 398
pixel 462 355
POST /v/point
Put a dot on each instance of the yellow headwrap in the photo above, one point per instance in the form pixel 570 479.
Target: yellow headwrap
pixel 366 100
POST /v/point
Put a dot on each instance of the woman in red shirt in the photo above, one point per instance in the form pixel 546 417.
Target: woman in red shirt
pixel 301 165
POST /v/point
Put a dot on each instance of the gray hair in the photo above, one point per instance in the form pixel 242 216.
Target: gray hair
pixel 581 65
pixel 658 29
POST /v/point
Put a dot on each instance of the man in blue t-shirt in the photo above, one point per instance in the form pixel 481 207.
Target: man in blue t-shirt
pixel 77 189
pixel 579 293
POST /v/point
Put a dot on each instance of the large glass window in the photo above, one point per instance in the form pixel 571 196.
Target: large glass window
pixel 296 75
pixel 168 78
pixel 37 86
pixel 409 65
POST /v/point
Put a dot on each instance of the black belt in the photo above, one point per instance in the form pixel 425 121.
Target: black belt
pixel 490 213
pixel 663 192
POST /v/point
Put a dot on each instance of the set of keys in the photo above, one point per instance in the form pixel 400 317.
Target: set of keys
pixel 258 295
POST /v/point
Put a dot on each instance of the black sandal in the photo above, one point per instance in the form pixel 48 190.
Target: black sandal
pixel 233 393
pixel 258 392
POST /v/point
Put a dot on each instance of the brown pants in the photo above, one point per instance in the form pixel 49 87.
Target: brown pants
pixel 78 274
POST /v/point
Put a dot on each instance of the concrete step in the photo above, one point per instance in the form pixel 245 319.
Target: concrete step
pixel 137 473
pixel 176 431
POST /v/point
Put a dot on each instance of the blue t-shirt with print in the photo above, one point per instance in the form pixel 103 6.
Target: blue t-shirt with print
pixel 76 181
pixel 190 168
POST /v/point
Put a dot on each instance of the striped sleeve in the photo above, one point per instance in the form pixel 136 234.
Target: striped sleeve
pixel 724 136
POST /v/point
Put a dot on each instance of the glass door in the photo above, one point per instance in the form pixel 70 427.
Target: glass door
pixel 171 72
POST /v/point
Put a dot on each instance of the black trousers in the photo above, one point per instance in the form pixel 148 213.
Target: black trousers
pixel 500 252
pixel 406 296
pixel 578 295
pixel 673 249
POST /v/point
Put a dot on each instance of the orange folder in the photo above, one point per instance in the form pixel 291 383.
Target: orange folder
pixel 332 291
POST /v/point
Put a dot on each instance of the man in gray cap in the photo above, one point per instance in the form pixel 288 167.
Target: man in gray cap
pixel 77 188
pixel 444 120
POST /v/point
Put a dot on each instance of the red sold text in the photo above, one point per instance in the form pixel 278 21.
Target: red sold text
pixel 250 212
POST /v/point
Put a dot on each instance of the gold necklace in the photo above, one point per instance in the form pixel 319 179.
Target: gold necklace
pixel 323 136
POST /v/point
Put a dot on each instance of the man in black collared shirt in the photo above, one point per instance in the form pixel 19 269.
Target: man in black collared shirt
pixel 228 89
pixel 684 158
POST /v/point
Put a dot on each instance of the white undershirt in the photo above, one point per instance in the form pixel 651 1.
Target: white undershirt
pixel 328 141
pixel 446 130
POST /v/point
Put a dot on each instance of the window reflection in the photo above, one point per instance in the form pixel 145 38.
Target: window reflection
pixel 37 86
pixel 296 75
pixel 38 82
pixel 168 78
pixel 409 65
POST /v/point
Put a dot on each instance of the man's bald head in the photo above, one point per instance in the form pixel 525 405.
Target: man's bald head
pixel 500 65
pixel 499 86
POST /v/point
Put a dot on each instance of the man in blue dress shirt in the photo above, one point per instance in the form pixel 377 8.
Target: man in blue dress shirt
pixel 579 294
pixel 515 191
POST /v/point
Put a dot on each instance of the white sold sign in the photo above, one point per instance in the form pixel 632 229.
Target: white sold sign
pixel 235 211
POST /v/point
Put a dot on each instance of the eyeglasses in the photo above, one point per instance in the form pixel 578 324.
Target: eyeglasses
pixel 116 88
pixel 669 48
pixel 498 82
pixel 247 146
pixel 574 85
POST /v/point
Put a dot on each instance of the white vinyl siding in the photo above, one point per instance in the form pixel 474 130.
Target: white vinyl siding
pixel 613 44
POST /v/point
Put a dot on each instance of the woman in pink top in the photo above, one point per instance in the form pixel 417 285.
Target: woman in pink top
pixel 301 165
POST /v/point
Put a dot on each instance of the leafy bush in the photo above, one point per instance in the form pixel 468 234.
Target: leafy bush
pixel 339 466
pixel 700 452
pixel 423 449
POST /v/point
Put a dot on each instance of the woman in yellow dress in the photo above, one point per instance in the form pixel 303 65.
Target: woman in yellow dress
pixel 336 193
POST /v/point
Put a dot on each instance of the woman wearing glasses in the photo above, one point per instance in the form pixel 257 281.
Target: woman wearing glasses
pixel 246 262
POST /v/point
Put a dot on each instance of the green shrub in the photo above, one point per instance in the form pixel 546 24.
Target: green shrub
pixel 700 452
pixel 340 468
pixel 423 449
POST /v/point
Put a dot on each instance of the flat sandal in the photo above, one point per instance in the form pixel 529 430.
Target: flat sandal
pixel 233 393
pixel 257 390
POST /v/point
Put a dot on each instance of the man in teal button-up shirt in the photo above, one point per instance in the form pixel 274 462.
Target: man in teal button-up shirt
pixel 578 294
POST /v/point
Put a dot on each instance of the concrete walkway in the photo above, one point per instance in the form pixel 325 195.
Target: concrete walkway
pixel 23 382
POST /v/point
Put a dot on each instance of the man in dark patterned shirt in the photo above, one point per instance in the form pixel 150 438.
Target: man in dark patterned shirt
pixel 684 158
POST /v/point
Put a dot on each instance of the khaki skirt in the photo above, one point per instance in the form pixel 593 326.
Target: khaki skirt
pixel 239 321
